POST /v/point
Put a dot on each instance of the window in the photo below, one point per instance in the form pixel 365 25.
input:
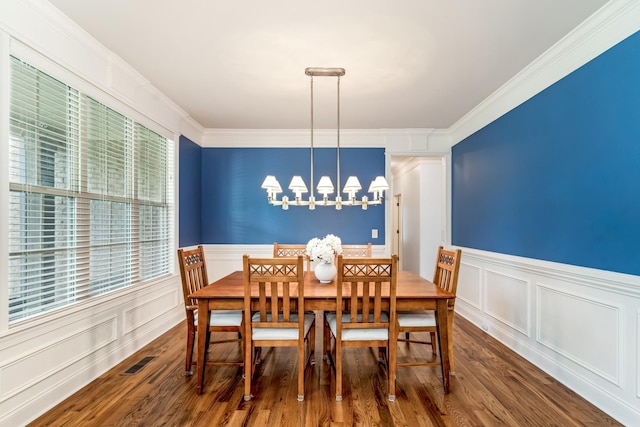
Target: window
pixel 91 207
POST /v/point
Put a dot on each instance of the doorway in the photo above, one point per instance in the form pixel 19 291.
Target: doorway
pixel 418 215
pixel 396 240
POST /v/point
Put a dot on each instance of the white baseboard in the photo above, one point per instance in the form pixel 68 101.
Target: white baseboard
pixel 546 311
pixel 45 363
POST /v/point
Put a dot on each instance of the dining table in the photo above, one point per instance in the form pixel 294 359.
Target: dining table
pixel 413 292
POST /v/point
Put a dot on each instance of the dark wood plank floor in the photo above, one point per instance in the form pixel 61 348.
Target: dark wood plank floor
pixel 493 387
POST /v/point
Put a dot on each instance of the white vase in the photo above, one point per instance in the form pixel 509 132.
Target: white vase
pixel 325 272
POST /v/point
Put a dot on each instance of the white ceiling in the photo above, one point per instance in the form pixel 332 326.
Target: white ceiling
pixel 409 63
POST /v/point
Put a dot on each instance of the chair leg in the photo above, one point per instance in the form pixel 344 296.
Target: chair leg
pixel 433 342
pixel 242 340
pixel 326 335
pixel 312 345
pixel 382 354
pixel 406 335
pixel 191 339
pixel 248 367
pixel 301 367
pixel 338 363
pixel 391 369
pixel 452 367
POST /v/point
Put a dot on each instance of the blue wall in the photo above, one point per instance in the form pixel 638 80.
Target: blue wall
pixel 189 182
pixel 234 209
pixel 558 178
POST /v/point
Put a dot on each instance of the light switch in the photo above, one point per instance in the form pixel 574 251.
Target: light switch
pixel 374 233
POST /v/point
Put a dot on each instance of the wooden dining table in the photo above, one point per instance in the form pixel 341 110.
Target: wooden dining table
pixel 413 292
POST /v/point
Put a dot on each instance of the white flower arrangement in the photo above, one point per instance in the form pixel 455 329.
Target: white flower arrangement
pixel 324 250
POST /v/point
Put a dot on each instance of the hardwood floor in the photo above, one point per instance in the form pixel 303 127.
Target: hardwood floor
pixel 492 386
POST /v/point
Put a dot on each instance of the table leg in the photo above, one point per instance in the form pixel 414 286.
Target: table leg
pixel 203 329
pixel 443 340
pixel 452 364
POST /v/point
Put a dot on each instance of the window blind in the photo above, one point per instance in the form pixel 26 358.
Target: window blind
pixel 152 160
pixel 107 174
pixel 90 196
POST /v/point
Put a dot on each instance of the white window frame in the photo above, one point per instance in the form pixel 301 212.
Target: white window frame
pixel 168 203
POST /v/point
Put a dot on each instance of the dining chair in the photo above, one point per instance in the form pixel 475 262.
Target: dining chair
pixel 280 250
pixel 350 251
pixel 280 320
pixel 365 322
pixel 446 277
pixel 193 272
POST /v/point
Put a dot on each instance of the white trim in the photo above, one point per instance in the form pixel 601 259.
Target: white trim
pixel 45 347
pixel 121 104
pixel 99 303
pixel 268 138
pixel 610 25
pixel 611 386
pixel 40 27
pixel 225 259
pixel 59 369
pixel 636 357
pixel 4 181
pixel 620 283
pixel 515 280
pixel 613 329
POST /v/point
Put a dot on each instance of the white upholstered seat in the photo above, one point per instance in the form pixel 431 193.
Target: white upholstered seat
pixel 277 281
pixel 364 334
pixel 193 272
pixel 360 285
pixel 265 334
pixel 445 276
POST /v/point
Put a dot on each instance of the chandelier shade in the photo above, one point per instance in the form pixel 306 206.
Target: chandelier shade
pixel 325 186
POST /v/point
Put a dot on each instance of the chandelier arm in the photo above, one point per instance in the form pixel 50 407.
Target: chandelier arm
pixel 312 182
pixel 338 156
pixel 325 186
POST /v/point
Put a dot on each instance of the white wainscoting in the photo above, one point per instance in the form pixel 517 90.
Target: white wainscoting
pixel 45 360
pixel 581 329
pixel 637 358
pixel 582 326
pixel 506 299
pixel 225 259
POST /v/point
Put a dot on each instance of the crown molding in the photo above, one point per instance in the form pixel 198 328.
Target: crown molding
pixel 256 138
pixel 614 22
pixel 407 164
pixel 67 44
pixel 68 49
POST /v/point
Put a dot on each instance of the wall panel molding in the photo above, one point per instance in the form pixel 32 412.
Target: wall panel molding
pixel 50 355
pixel 581 329
pixel 637 355
pixel 49 359
pixel 585 324
pixel 506 299
pixel 624 284
pixel 150 310
pixel 471 291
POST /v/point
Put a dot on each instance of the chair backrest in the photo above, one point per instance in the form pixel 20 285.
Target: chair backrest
pixel 276 279
pixel 445 274
pixel 193 271
pixel 280 250
pixel 366 282
pixel 351 251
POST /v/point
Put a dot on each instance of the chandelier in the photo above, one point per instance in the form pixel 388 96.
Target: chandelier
pixel 325 185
